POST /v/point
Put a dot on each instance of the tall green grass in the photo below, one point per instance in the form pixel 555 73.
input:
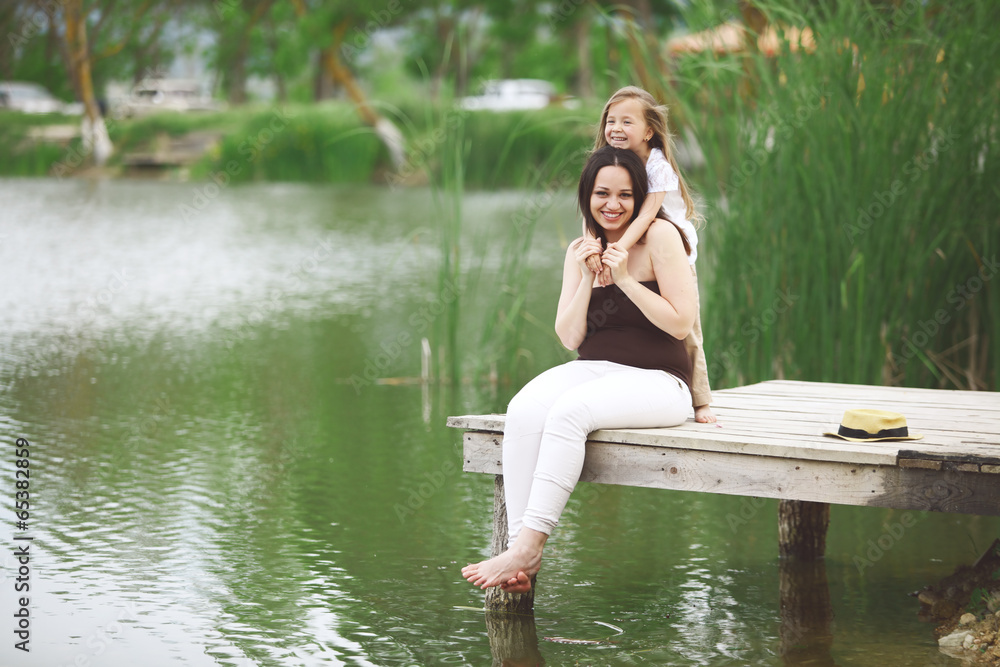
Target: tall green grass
pixel 519 149
pixel 502 351
pixel 852 231
pixel 453 149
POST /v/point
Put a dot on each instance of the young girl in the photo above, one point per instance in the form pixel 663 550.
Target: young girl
pixel 632 119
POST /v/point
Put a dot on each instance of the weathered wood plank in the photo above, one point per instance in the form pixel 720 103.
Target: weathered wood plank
pixel 832 411
pixel 798 388
pixel 959 419
pixel 967 454
pixel 829 411
pixel 931 437
pixel 920 463
pixel 702 437
pixel 768 443
pixel 764 444
pixel 801 425
pixel 767 477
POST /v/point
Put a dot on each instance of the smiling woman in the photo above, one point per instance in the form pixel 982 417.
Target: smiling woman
pixel 632 370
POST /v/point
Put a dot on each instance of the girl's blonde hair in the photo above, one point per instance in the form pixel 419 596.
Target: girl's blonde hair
pixel 655 116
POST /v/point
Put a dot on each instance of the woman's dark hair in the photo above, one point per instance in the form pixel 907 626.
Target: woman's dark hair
pixel 609 156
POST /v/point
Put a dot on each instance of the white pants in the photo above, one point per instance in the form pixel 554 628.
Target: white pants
pixel 548 422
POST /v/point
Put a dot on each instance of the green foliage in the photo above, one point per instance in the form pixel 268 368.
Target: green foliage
pixel 512 149
pixel 317 143
pixel 22 156
pixel 853 234
pixel 130 133
pixel 979 601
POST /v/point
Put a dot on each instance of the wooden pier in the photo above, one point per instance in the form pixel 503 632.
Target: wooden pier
pixel 165 151
pixel 769 443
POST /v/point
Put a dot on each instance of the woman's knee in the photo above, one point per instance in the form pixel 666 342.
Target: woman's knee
pixel 524 415
pixel 522 405
pixel 570 417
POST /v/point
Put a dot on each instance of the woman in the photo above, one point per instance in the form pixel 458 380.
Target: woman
pixel 632 371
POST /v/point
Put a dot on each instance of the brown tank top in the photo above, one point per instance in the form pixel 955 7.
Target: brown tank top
pixel 618 331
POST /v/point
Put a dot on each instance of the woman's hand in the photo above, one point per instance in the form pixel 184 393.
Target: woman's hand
pixel 583 249
pixel 616 259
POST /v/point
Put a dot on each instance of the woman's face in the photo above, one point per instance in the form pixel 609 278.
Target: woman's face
pixel 612 202
pixel 625 126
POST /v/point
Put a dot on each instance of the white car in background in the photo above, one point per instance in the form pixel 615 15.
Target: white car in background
pixel 515 94
pixel 29 97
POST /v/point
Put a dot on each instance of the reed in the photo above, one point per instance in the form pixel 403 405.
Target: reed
pixel 448 188
pixel 515 149
pixel 502 349
pixel 851 197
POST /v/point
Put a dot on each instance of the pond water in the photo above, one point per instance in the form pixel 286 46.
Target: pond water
pixel 211 483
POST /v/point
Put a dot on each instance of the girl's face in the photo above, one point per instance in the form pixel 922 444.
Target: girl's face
pixel 625 126
pixel 611 202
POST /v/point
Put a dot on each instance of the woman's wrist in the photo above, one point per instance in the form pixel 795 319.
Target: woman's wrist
pixel 627 284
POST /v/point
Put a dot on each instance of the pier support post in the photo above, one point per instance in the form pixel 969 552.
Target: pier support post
pixel 802 529
pixel 806 637
pixel 496 598
pixel 513 639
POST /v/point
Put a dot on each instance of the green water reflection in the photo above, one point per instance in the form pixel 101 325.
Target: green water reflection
pixel 211 488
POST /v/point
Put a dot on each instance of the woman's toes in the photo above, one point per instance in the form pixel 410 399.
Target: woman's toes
pixel 518 584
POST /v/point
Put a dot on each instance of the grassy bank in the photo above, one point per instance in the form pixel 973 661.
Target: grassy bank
pixel 20 155
pixel 328 143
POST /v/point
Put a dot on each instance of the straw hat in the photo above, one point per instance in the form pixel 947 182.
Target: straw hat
pixel 873 425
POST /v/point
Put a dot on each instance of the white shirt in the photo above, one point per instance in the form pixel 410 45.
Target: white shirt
pixel 663 178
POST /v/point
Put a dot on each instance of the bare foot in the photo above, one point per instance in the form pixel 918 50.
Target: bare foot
pixel 512 564
pixel 703 414
pixel 519 584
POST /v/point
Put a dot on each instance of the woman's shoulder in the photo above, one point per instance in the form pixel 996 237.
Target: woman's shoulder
pixel 663 236
pixel 662 231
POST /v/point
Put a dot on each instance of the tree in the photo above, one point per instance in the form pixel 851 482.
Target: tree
pixel 94 131
pixel 330 23
pixel 74 46
pixel 239 35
